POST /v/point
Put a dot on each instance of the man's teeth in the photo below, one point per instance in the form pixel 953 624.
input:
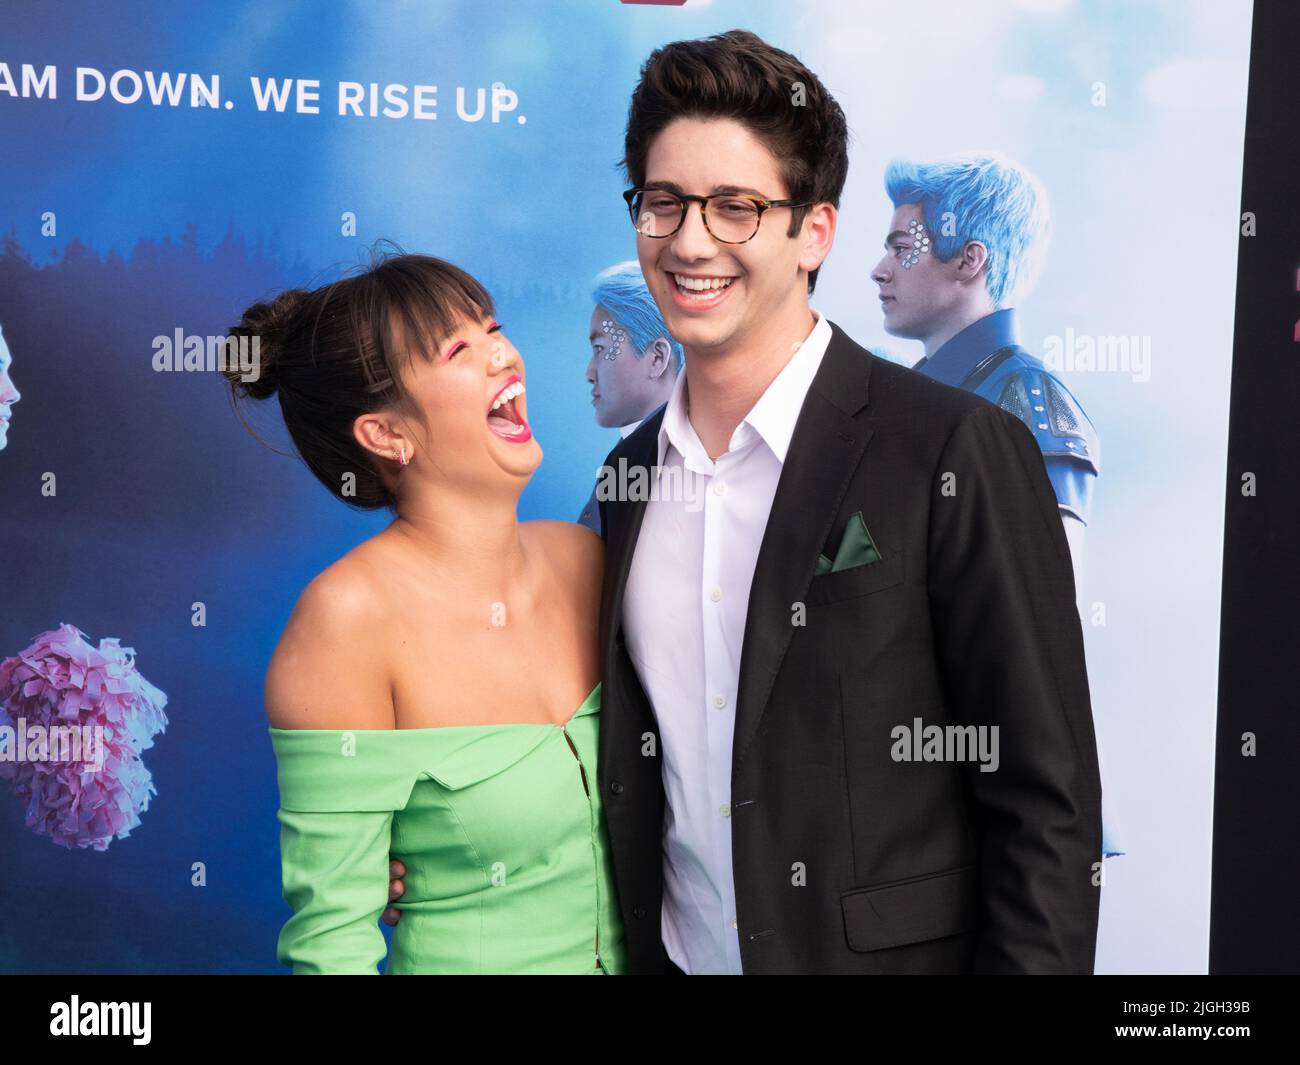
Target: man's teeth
pixel 507 394
pixel 701 288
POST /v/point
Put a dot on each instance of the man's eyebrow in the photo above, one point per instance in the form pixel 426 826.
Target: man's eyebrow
pixel 897 234
pixel 596 336
pixel 718 190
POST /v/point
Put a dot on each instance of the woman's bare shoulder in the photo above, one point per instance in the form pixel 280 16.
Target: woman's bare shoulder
pixel 577 553
pixel 572 540
pixel 330 668
pixel 577 559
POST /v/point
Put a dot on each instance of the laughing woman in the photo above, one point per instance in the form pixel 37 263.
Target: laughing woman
pixel 435 693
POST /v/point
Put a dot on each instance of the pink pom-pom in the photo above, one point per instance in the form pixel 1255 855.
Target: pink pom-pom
pixel 73 721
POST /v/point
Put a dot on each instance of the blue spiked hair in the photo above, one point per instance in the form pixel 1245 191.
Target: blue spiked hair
pixel 988 198
pixel 621 289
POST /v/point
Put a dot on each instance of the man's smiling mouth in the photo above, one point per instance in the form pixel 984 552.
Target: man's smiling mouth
pixel 701 289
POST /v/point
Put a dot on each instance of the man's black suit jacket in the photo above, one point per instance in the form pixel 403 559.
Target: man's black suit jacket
pixel 845 859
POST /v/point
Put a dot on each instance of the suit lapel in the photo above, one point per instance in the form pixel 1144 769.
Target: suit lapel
pixel 827 446
pixel 643 450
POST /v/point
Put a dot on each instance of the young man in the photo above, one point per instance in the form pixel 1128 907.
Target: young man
pixel 877 555
pixel 757 735
pixel 634 362
pixel 965 246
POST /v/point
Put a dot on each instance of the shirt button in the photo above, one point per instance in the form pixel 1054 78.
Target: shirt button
pixel 716 594
pixel 719 701
pixel 733 924
pixel 725 809
pixel 719 488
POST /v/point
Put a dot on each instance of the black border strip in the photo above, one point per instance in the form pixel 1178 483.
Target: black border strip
pixel 1254 922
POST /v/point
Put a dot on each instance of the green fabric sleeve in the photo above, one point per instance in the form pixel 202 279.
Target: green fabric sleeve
pixel 334 868
pixel 338 793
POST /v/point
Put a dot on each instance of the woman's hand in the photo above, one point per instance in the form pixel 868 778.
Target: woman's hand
pixel 396 888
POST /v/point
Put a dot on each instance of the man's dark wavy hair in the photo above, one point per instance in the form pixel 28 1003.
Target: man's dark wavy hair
pixel 739 75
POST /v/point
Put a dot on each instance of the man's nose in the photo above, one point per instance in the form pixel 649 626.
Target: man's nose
pixel 692 239
pixel 591 369
pixel 880 274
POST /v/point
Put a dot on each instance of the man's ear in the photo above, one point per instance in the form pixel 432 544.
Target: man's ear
pixel 817 235
pixel 658 356
pixel 381 435
pixel 972 261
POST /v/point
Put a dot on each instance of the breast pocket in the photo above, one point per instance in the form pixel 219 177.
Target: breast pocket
pixel 858 580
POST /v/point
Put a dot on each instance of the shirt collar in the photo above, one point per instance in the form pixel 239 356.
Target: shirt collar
pixel 963 352
pixel 628 430
pixel 772 417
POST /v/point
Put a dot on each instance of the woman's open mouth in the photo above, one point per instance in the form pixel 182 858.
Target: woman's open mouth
pixel 504 418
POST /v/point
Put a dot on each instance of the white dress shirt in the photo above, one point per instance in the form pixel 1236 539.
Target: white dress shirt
pixel 684 621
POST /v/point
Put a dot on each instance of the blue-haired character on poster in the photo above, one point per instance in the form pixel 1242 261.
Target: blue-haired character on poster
pixel 966 243
pixel 634 359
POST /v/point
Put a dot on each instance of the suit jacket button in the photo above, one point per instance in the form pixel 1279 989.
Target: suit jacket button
pixel 638 911
pixel 616 788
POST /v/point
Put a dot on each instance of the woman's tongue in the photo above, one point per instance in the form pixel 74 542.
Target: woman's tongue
pixel 505 420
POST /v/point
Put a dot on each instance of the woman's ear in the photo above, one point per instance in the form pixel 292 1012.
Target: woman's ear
pixel 382 435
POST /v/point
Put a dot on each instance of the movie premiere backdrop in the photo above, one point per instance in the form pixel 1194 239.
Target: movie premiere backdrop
pixel 165 166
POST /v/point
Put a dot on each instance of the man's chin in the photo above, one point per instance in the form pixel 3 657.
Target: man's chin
pixel 899 329
pixel 700 334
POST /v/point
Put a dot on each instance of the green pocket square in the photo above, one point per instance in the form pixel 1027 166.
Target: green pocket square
pixel 856 548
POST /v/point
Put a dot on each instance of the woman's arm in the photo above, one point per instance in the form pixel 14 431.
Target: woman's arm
pixel 334 871
pixel 327 676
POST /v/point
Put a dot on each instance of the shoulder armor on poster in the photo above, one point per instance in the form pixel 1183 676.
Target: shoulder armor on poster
pixel 1022 385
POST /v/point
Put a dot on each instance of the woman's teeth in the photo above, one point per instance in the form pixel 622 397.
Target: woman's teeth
pixel 507 394
pixel 502 417
pixel 701 288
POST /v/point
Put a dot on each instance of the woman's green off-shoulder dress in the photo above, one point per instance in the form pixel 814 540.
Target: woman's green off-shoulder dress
pixel 499 826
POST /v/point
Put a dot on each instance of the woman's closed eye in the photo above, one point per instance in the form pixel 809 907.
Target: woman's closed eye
pixel 460 345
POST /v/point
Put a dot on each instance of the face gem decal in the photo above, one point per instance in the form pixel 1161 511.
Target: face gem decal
pixel 617 335
pixel 920 244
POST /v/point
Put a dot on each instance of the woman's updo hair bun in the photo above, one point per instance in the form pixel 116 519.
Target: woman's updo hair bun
pixel 334 353
pixel 267 324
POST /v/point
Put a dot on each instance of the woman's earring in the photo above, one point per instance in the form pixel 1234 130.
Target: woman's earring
pixel 403 459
